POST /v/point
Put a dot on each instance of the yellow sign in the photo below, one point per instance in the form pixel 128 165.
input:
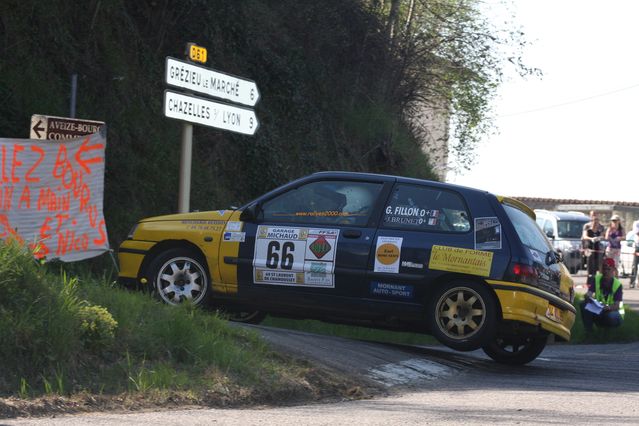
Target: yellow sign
pixel 197 53
pixel 388 253
pixel 466 261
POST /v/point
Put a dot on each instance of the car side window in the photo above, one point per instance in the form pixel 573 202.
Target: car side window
pixel 427 209
pixel 325 202
pixel 548 228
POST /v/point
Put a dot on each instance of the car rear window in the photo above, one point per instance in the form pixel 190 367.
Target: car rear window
pixel 527 229
pixel 425 208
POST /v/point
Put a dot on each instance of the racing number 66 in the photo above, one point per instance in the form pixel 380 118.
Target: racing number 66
pixel 273 256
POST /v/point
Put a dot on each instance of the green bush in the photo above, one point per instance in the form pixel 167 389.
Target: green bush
pixel 97 326
pixel 39 325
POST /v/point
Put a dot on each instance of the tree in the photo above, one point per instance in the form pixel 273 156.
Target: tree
pixel 451 58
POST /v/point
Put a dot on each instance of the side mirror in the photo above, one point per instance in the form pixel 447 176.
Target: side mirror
pixel 251 213
pixel 550 235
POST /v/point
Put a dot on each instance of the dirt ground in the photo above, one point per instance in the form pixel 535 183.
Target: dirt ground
pixel 318 384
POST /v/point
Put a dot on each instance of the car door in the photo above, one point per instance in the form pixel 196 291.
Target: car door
pixel 308 249
pixel 415 219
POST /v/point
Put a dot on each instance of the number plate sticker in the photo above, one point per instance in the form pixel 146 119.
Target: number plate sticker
pixel 295 256
pixel 553 313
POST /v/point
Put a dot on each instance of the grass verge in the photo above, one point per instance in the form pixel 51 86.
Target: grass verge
pixel 351 332
pixel 100 346
pixel 627 332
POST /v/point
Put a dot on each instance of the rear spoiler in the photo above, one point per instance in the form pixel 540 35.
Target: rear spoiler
pixel 516 203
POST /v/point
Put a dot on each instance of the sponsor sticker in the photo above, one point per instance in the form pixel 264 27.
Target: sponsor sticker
pixel 456 259
pixel 487 233
pixel 393 291
pixel 234 226
pixel 301 256
pixel 410 215
pixel 283 277
pixel 407 264
pixel 204 225
pixel 535 255
pixel 235 236
pixel 387 254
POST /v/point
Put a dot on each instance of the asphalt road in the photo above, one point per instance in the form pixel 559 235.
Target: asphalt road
pixel 566 384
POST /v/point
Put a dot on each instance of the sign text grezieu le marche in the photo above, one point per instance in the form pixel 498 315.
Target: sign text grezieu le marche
pixel 211 82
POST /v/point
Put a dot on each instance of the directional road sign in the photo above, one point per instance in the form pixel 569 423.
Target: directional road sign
pixel 210 82
pixel 59 128
pixel 209 113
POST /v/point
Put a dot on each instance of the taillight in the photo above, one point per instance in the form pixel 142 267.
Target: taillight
pixel 524 274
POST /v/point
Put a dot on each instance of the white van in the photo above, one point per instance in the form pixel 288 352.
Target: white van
pixel 564 230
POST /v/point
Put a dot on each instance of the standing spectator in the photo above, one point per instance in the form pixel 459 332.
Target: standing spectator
pixel 606 289
pixel 591 237
pixel 614 235
pixel 635 261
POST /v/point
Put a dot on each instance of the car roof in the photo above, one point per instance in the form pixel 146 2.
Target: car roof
pixel 391 178
pixel 444 185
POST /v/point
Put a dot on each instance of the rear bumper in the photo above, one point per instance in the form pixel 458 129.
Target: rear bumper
pixel 530 305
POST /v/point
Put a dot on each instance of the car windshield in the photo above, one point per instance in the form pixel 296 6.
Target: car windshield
pixel 529 233
pixel 570 228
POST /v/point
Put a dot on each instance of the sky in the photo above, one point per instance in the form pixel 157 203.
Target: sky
pixel 572 133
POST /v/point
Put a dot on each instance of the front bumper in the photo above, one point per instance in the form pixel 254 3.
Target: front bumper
pixel 530 305
pixel 131 255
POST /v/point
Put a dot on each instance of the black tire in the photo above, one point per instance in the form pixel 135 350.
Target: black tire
pixel 463 315
pixel 179 275
pixel 246 316
pixel 515 350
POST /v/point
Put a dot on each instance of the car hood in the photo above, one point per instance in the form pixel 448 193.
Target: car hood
pixel 207 215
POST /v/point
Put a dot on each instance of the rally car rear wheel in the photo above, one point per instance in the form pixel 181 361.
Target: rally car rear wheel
pixel 179 276
pixel 515 350
pixel 463 315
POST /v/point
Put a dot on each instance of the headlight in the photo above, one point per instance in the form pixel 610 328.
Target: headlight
pixel 132 231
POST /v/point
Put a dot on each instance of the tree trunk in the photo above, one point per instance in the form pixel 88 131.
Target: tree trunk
pixel 393 17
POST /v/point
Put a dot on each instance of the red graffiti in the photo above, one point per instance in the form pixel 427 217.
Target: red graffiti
pixel 53 183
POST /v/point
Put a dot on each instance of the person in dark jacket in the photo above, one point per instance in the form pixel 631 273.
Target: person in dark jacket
pixel 592 235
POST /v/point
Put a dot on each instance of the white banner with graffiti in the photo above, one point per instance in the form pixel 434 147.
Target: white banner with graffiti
pixel 51 196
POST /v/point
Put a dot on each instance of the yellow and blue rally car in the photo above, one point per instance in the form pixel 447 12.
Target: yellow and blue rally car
pixel 471 268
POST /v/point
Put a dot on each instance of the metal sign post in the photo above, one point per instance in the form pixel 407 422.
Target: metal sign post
pixel 192 109
pixel 186 156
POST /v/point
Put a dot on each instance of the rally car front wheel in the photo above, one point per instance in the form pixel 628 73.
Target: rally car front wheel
pixel 179 275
